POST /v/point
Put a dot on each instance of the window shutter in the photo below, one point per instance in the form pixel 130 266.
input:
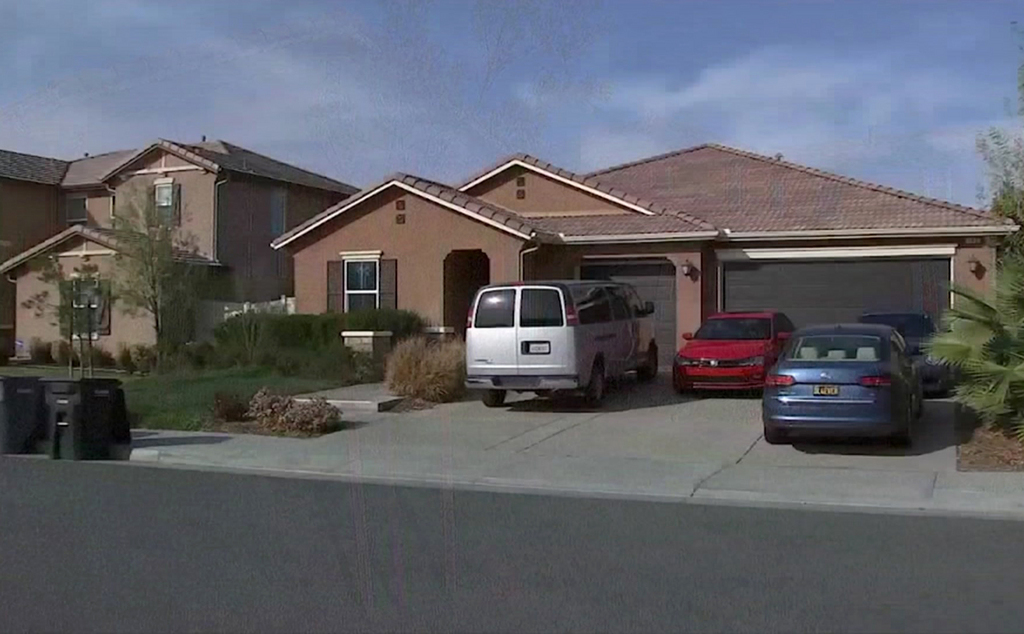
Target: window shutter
pixel 335 286
pixel 176 204
pixel 103 316
pixel 388 284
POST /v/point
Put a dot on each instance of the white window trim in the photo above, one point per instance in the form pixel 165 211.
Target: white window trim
pixel 345 260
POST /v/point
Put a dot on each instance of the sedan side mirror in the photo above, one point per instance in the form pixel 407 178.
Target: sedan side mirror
pixel 648 308
pixel 687 336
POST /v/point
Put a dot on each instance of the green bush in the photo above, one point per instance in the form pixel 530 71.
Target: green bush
pixel 199 355
pixel 144 357
pixel 63 353
pixel 124 359
pixel 41 352
pixel 401 323
pixel 430 370
pixel 229 407
pixel 100 358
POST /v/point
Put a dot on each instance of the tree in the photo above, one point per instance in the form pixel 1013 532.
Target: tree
pixel 983 339
pixel 155 272
pixel 79 309
pixel 1003 153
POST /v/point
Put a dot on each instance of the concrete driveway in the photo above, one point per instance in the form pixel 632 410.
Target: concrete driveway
pixel 651 421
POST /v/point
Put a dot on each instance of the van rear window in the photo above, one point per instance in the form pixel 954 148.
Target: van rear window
pixel 540 308
pixel 495 309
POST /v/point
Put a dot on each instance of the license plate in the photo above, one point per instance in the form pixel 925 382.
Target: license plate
pixel 826 390
pixel 539 348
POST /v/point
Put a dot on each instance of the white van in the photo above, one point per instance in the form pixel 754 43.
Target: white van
pixel 547 336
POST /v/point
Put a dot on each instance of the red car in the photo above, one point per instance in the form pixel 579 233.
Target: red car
pixel 731 351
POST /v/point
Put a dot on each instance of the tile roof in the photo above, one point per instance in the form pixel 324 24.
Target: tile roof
pixel 32 168
pixel 747 192
pixel 475 206
pixel 608 225
pixel 99 235
pixel 91 170
pixel 600 185
pixel 213 155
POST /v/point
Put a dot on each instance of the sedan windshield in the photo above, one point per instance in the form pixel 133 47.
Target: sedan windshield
pixel 908 324
pixel 735 329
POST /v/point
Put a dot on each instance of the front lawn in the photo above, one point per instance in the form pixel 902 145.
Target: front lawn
pixel 184 400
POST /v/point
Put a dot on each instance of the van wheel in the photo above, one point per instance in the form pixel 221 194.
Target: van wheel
pixel 649 369
pixel 595 389
pixel 494 398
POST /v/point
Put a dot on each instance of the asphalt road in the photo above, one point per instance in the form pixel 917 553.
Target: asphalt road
pixel 94 547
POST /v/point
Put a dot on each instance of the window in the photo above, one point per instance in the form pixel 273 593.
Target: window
pixel 76 211
pixel 278 204
pixel 837 348
pixel 361 284
pixel 620 303
pixel 167 197
pixel 739 329
pixel 495 309
pixel 90 303
pixel 592 305
pixel 540 308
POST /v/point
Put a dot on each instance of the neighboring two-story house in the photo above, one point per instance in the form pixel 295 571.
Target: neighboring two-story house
pixel 230 201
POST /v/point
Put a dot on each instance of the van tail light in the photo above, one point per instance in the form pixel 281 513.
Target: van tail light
pixel 882 380
pixel 469 317
pixel 571 318
pixel 779 380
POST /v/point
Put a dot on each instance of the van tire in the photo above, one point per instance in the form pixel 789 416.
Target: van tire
pixel 594 393
pixel 494 398
pixel 649 369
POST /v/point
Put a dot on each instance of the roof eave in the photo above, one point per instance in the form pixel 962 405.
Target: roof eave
pixel 634 238
pixel 905 232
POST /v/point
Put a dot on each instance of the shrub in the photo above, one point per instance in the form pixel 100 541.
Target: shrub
pixel 432 371
pixel 63 353
pixel 40 351
pixel 401 323
pixel 228 407
pixel 283 414
pixel 144 357
pixel 199 355
pixel 100 358
pixel 124 359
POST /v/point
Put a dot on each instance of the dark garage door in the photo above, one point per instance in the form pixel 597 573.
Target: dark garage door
pixel 813 292
pixel 655 281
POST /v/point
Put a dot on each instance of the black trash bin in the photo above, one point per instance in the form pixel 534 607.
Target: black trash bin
pixel 22 423
pixel 82 417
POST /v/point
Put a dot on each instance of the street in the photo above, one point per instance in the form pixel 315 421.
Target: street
pixel 101 547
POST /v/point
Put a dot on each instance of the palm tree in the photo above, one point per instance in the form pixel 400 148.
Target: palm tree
pixel 983 339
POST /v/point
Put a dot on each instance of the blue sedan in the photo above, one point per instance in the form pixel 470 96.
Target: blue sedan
pixel 841 381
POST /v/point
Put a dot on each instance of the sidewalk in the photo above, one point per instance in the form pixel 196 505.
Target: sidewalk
pixel 353 454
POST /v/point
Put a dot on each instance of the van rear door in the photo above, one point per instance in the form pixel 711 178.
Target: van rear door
pixel 545 344
pixel 491 336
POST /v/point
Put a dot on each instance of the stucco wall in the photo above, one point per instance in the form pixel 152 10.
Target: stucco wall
pixel 543 196
pixel 124 329
pixel 244 234
pixel 420 245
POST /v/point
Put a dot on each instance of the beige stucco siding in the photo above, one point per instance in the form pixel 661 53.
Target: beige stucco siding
pixel 543 196
pixel 430 233
pixel 124 329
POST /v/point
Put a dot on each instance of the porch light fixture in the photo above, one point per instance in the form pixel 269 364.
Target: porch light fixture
pixel 975 266
pixel 689 270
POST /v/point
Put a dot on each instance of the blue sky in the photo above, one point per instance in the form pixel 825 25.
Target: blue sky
pixel 892 92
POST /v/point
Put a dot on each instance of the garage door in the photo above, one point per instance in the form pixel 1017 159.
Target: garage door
pixel 814 292
pixel 655 281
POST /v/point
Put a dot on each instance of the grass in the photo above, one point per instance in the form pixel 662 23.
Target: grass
pixel 184 400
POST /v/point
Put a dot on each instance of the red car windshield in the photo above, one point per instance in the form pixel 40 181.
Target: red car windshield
pixel 739 329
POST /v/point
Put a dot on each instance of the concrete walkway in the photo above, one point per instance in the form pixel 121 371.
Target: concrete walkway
pixel 648 444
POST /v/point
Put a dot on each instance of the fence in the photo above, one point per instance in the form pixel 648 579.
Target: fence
pixel 211 313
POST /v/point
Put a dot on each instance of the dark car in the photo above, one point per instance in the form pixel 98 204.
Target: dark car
pixel 917 329
pixel 730 351
pixel 850 380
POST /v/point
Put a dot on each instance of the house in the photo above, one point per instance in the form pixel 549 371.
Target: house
pixel 229 200
pixel 697 231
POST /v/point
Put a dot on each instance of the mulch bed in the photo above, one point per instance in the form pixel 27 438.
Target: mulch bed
pixel 984 449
